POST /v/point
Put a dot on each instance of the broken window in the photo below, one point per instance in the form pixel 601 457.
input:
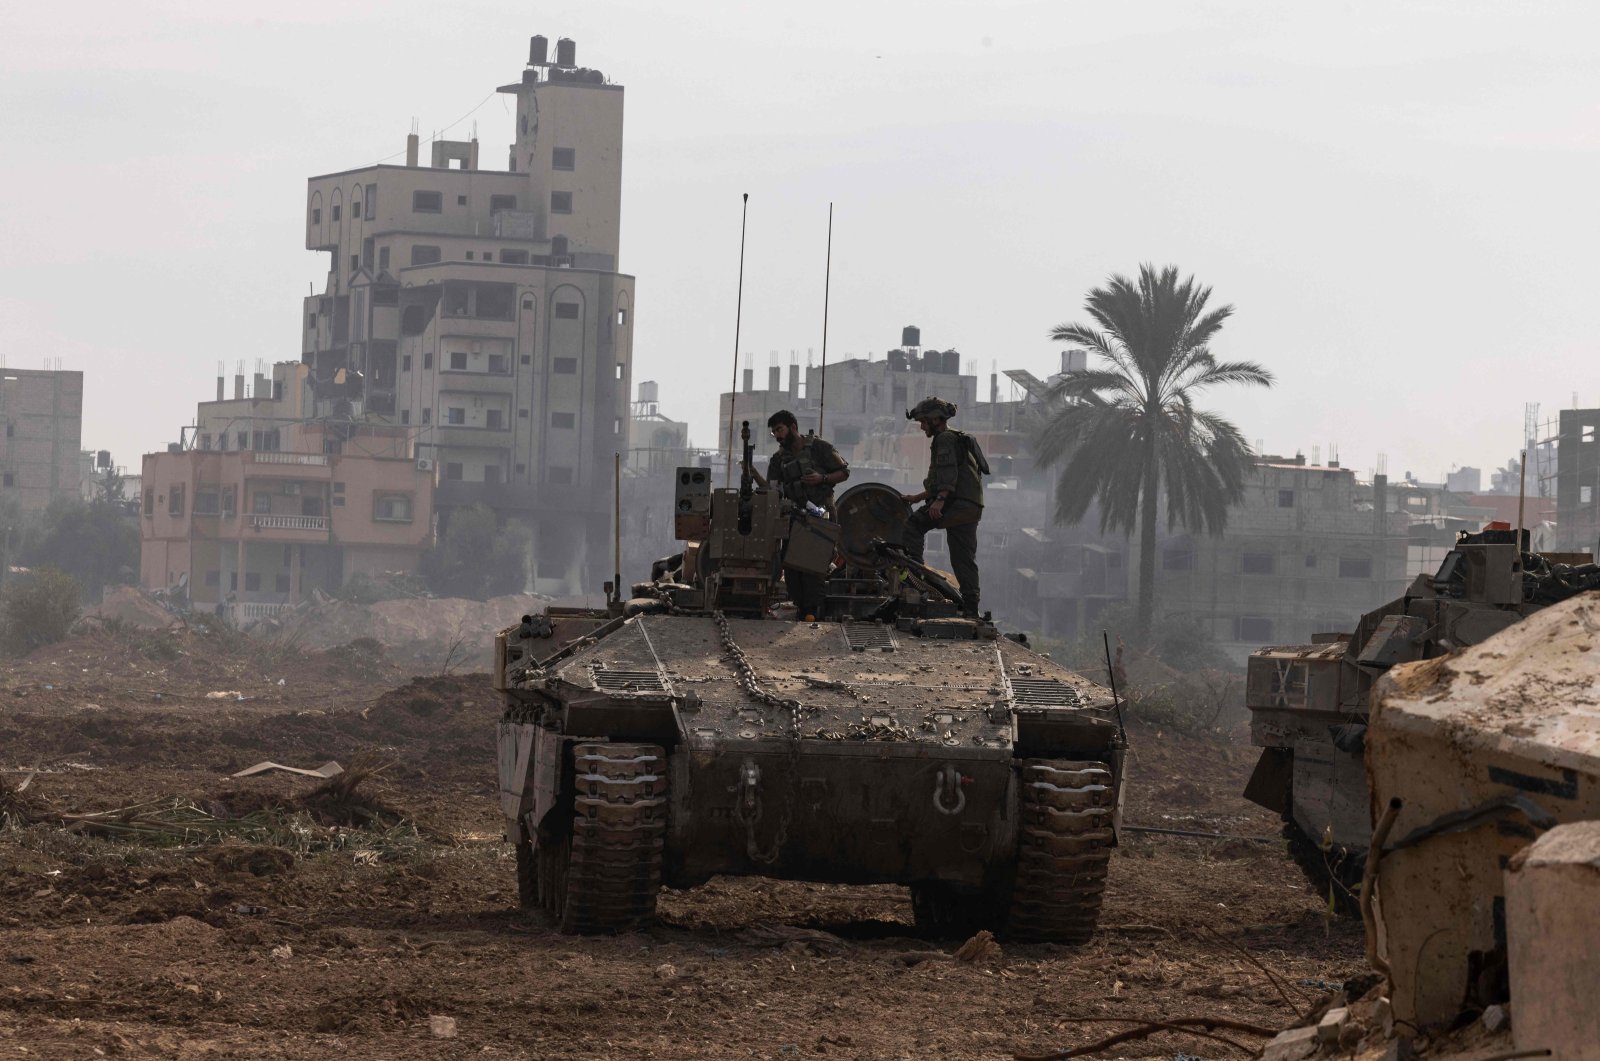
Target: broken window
pixel 175 500
pixel 514 257
pixel 563 420
pixel 1256 563
pixel 560 203
pixel 385 295
pixel 455 416
pixel 497 364
pixel 427 416
pixel 424 254
pixel 392 508
pixel 565 366
pixel 457 300
pixel 452 470
pixel 569 311
pixel 502 202
pixel 494 420
pixel 426 202
pixel 564 158
pixel 1355 567
pixel 494 301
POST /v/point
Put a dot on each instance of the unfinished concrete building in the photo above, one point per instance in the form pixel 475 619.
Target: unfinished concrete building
pixel 1578 481
pixel 39 451
pixel 483 311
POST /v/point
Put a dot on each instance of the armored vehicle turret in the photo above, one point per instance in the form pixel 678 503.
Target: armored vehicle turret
pixel 691 733
pixel 1308 703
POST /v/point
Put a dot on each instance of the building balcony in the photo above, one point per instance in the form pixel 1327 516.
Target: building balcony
pixel 272 464
pixel 251 611
pixel 465 382
pixel 463 437
pixel 290 523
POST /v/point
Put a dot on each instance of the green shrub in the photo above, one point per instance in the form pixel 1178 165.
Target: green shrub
pixel 38 608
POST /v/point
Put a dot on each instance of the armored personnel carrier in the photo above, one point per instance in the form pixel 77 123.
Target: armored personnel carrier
pixel 690 733
pixel 1308 703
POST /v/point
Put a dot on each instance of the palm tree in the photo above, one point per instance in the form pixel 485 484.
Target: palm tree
pixel 1124 431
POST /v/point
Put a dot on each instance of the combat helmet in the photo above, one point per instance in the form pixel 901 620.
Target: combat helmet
pixel 930 407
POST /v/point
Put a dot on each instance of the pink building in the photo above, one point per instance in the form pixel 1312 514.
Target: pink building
pixel 264 528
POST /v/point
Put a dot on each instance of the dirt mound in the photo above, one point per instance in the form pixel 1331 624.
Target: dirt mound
pixel 425 632
pixel 132 606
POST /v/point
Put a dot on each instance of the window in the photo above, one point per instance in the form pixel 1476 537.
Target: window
pixel 488 256
pixel 8 479
pixel 1588 432
pixel 427 416
pixel 563 420
pixel 311 322
pixel 622 317
pixel 502 202
pixel 457 300
pixel 335 214
pixel 621 368
pixel 494 302
pixel 565 366
pixel 316 215
pixel 497 364
pixel 252 581
pixel 355 262
pixel 262 503
pixel 494 420
pixel 560 203
pixel 405 416
pixel 424 254
pixel 522 414
pixel 1255 629
pixel 526 359
pixel 1355 567
pixel 616 425
pixel 372 201
pixel 392 508
pixel 522 469
pixel 1311 559
pixel 564 158
pixel 149 498
pixel 427 359
pixel 174 500
pixel 207 503
pixel 455 416
pixel 385 294
pixel 514 257
pixel 229 506
pixel 205 440
pixel 491 473
pixel 567 311
pixel 470 255
pixel 458 360
pixel 1256 563
pixel 461 200
pixel 383 259
pixel 427 202
pixel 558 475
pixel 413 320
pixel 355 209
pixel 405 362
pixel 527 303
pixel 1177 560
pixel 452 470
pixel 1285 498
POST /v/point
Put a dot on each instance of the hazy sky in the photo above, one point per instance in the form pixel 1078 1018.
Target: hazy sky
pixel 1399 199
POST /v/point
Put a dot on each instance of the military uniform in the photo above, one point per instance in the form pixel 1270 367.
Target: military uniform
pixel 786 469
pixel 953 472
pixel 789 465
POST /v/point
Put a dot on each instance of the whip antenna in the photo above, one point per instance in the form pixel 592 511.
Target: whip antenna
pixel 827 277
pixel 738 315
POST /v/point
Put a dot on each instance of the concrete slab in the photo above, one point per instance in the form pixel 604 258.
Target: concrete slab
pixel 1553 925
pixel 1517 715
pixel 1292 1045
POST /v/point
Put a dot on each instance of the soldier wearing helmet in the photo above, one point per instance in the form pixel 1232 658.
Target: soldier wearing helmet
pixel 953 491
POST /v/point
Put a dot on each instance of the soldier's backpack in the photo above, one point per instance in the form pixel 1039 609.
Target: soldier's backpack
pixel 972 447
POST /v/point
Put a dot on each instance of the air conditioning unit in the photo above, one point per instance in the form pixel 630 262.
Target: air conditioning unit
pixel 424 464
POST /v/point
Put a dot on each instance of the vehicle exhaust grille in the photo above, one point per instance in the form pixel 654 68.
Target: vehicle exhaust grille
pixel 1044 692
pixel 627 681
pixel 869 637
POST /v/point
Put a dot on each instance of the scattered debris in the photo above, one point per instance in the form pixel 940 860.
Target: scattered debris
pixel 981 947
pixel 327 769
pixel 442 1027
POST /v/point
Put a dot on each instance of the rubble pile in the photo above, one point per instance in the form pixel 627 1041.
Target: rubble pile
pixel 421 631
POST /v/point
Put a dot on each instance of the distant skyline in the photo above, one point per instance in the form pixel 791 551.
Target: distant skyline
pixel 1397 198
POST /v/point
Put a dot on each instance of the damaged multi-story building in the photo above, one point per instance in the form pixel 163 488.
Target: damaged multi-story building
pixel 39 451
pixel 483 311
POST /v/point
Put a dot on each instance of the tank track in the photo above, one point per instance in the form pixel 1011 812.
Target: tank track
pixel 1333 873
pixel 1063 853
pixel 604 874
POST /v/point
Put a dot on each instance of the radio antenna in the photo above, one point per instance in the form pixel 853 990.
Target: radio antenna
pixel 738 316
pixel 827 278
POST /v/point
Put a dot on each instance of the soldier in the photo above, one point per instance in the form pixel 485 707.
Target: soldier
pixel 804 469
pixel 954 492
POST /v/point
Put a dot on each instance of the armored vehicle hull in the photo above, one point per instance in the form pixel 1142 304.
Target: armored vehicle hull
pixel 665 749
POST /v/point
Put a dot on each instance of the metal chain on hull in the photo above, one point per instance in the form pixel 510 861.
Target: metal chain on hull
pixel 751 687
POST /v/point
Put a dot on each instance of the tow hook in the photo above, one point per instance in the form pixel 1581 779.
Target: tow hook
pixel 749 789
pixel 948 797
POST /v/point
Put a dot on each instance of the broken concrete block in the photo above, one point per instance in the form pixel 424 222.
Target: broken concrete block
pixel 1292 1045
pixel 1332 1025
pixel 1495 1018
pixel 1553 935
pixel 442 1027
pixel 1490 731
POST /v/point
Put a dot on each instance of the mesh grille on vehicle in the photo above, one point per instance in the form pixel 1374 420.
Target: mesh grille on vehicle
pixel 1044 692
pixel 628 681
pixel 868 637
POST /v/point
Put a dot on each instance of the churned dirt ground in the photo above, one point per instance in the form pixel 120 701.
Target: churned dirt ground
pixel 292 923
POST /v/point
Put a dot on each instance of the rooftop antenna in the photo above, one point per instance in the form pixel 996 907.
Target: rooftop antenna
pixel 738 317
pixel 827 281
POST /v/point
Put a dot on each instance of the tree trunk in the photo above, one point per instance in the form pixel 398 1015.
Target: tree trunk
pixel 1147 548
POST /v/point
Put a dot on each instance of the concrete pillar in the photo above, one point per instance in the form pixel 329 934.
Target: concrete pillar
pixel 794 380
pixel 472 153
pixel 238 385
pixel 749 380
pixel 221 388
pixel 774 379
pixel 1553 935
pixel 413 144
